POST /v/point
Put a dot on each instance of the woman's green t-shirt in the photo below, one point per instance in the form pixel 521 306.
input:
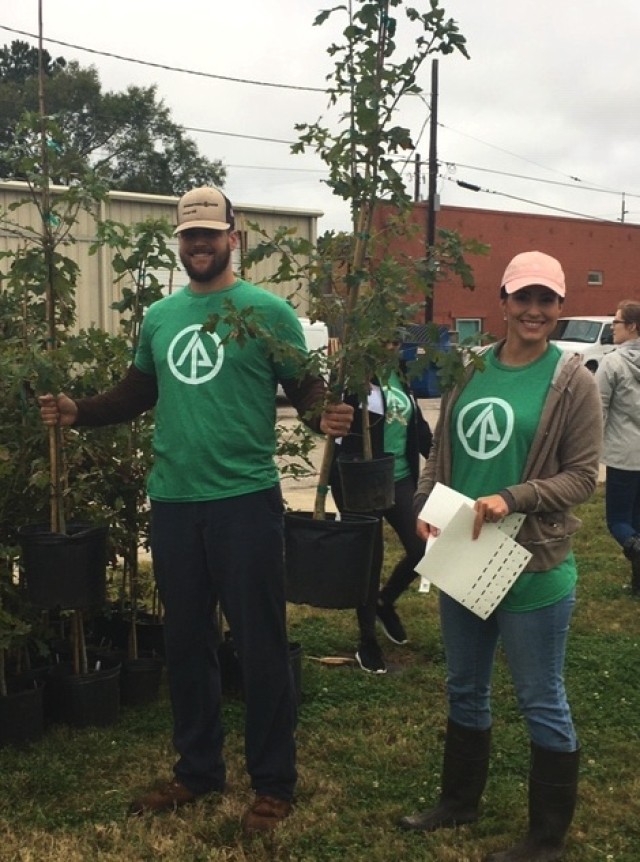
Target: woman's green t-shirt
pixel 493 426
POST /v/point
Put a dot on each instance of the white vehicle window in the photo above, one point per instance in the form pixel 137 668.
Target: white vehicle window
pixel 584 331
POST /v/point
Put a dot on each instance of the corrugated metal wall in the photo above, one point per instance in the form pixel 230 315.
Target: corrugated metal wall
pixel 96 289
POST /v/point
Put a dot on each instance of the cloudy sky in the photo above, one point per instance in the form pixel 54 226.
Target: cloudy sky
pixel 543 117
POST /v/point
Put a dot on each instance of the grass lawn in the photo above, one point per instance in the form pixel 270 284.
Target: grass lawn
pixel 369 751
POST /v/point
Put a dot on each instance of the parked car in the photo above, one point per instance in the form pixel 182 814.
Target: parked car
pixel 591 337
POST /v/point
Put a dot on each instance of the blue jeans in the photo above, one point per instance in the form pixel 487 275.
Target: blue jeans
pixel 228 551
pixel 534 643
pixel 622 497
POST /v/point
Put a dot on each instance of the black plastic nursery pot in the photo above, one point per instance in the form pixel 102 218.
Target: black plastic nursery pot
pixel 150 634
pixel 328 562
pixel 231 671
pixel 367 486
pixel 83 700
pixel 140 680
pixel 114 629
pixel 66 570
pixel 110 628
pixel 22 714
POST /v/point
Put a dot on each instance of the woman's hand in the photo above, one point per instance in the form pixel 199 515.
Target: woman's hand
pixel 488 511
pixel 425 530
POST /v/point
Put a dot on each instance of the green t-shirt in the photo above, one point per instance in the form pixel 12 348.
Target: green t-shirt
pixel 398 412
pixel 494 423
pixel 216 412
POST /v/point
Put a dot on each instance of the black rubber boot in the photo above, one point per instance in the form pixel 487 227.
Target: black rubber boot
pixel 631 550
pixel 553 786
pixel 464 774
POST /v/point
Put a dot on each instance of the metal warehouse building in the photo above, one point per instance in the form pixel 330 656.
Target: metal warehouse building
pixel 96 290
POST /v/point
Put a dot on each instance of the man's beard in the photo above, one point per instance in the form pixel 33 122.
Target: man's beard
pixel 217 266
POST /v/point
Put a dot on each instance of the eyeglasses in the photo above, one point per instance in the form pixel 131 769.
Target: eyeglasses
pixel 615 320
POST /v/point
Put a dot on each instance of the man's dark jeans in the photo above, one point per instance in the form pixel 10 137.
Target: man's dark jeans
pixel 228 551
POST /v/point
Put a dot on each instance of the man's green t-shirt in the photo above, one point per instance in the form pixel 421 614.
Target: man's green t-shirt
pixel 216 412
pixel 494 424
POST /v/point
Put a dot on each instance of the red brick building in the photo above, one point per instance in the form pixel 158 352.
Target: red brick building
pixel 601 261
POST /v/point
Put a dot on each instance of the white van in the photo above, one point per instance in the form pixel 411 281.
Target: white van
pixel 591 337
pixel 316 335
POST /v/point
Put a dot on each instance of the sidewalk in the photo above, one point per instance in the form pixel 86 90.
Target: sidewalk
pixel 299 494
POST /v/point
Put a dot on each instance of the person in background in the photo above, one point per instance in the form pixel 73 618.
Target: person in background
pixel 399 428
pixel 216 506
pixel 522 436
pixel 618 379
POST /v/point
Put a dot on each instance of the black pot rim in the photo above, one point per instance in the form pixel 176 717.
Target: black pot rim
pixel 330 518
pixel 76 530
pixel 355 458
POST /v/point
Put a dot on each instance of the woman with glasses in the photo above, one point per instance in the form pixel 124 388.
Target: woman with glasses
pixel 618 379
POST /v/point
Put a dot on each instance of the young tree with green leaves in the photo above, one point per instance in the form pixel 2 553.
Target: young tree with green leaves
pixel 356 284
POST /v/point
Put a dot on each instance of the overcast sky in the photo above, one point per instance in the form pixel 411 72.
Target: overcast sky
pixel 545 112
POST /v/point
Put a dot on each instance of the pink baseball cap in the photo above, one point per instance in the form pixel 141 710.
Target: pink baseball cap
pixel 534 268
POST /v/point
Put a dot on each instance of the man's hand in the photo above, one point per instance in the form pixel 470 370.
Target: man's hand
pixel 336 419
pixel 60 410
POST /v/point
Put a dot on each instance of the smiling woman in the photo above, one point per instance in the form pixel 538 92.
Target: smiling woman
pixel 531 297
pixel 492 444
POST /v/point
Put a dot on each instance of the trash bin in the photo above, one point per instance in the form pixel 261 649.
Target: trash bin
pixel 418 336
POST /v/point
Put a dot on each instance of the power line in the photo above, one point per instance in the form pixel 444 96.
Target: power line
pixel 406 160
pixel 166 68
pixel 599 189
pixel 509 153
pixel 475 188
pixel 575 180
pixel 277 168
pixel 238 135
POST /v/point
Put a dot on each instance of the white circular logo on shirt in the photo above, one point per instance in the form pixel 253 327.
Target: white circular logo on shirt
pixel 398 404
pixel 195 356
pixel 479 425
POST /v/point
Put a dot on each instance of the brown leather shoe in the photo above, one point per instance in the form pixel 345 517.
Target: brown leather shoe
pixel 165 795
pixel 264 814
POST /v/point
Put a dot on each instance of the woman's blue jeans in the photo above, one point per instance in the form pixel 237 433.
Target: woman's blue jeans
pixel 622 497
pixel 534 643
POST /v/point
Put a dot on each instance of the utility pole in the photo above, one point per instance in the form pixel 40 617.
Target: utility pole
pixel 431 199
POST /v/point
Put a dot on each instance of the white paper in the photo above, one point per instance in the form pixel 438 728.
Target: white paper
pixel 444 502
pixel 477 573
pixel 375 404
